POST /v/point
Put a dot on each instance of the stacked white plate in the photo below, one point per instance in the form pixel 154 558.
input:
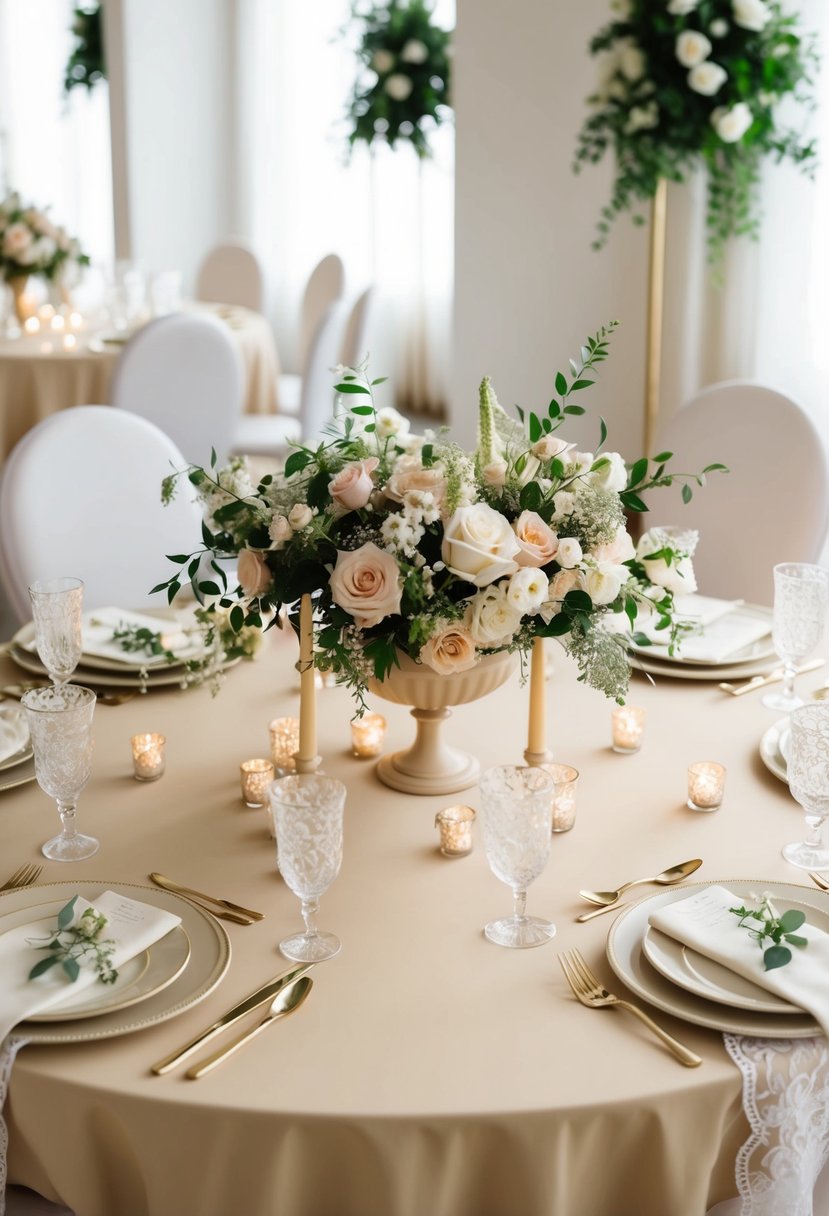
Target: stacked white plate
pixel 774 749
pixel 16 763
pixel 709 655
pixel 690 986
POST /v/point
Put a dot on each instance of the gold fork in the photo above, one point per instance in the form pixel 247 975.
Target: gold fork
pixel 24 877
pixel 587 989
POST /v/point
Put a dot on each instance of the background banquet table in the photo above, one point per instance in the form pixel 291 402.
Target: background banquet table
pixel 429 1071
pixel 36 382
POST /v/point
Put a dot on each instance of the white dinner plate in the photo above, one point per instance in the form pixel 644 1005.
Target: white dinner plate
pixel 131 677
pixel 762 648
pixel 23 644
pixel 772 746
pixel 626 956
pixel 18 774
pixel 688 671
pixel 16 758
pixel 208 961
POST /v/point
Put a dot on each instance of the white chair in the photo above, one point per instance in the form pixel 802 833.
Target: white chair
pixel 81 495
pixel 355 341
pixel 184 373
pixel 272 434
pixel 773 505
pixel 325 287
pixel 230 274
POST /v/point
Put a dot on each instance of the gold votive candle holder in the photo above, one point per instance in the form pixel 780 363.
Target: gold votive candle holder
pixel 148 756
pixel 367 735
pixel 706 785
pixel 455 826
pixel 627 728
pixel 256 776
pixel 284 743
pixel 566 780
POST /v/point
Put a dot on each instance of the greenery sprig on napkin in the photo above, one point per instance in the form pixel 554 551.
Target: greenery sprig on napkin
pixel 768 926
pixel 75 945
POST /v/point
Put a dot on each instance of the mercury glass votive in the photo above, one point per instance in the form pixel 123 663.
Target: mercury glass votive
pixel 455 826
pixel 284 743
pixel 256 776
pixel 367 735
pixel 706 785
pixel 148 756
pixel 566 780
pixel 628 728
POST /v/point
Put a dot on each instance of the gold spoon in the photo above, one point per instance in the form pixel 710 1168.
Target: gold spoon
pixel 665 879
pixel 286 1001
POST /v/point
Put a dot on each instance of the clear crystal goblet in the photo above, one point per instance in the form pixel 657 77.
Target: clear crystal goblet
pixel 57 605
pixel 60 723
pixel 808 773
pixel 516 814
pixel 308 821
pixel 801 600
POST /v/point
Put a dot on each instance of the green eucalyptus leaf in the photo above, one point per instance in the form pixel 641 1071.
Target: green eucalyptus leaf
pixel 792 920
pixel 72 968
pixel 67 912
pixel 44 965
pixel 776 956
pixel 351 388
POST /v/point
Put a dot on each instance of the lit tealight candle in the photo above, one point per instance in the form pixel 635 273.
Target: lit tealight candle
pixel 256 776
pixel 46 312
pixel 455 826
pixel 148 756
pixel 58 322
pixel 566 780
pixel 284 743
pixel 367 735
pixel 69 342
pixel 32 325
pixel 706 785
pixel 628 728
pixel 75 320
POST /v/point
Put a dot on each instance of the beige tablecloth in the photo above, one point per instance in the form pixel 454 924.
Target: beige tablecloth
pixel 38 377
pixel 430 1073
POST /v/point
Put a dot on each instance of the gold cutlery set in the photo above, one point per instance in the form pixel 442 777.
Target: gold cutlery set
pixel 774 677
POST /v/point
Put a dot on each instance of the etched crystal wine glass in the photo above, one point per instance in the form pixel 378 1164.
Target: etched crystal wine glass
pixel 308 820
pixel 516 813
pixel 60 723
pixel 57 605
pixel 808 773
pixel 801 599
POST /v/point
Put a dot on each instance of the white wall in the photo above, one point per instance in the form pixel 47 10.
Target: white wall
pixel 528 288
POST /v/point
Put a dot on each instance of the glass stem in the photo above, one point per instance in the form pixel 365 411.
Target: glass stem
pixel 519 905
pixel 814 837
pixel 66 810
pixel 789 673
pixel 310 907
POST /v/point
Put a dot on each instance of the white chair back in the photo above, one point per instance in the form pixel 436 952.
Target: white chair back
pixel 230 274
pixel 773 505
pixel 184 373
pixel 317 395
pixel 355 342
pixel 81 496
pixel 325 285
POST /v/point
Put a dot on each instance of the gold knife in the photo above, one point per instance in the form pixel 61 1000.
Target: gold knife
pixel 178 889
pixel 260 997
pixel 737 690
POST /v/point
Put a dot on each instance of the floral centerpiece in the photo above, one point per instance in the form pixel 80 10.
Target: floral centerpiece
pixel 402 90
pixel 31 244
pixel 410 545
pixel 696 81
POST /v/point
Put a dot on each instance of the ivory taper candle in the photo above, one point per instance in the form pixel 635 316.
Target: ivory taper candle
pixel 536 751
pixel 307 692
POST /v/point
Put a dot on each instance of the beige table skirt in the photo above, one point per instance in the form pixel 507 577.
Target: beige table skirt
pixel 430 1073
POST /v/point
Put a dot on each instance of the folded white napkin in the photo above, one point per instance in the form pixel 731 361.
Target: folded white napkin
pixel 97 628
pixel 704 923
pixel 14 730
pixel 722 629
pixel 132 925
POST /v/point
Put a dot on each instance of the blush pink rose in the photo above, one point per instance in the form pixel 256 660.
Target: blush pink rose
pixel 409 474
pixel 253 573
pixel 538 541
pixel 366 583
pixel 451 649
pixel 353 487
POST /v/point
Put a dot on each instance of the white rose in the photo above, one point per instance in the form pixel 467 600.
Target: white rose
pixel 549 446
pixel 719 28
pixel 621 549
pixel 691 48
pixel 390 423
pixel 415 51
pixel 300 516
pixel 280 531
pixel 707 78
pixel 611 476
pixel 750 14
pixel 631 61
pixel 642 118
pixel 398 86
pixel 580 462
pixel 479 545
pixel 491 618
pixel 681 8
pixel 678 576
pixel 494 473
pixel 527 590
pixel 604 583
pixel 382 61
pixel 569 553
pixel 732 122
pixel 564 503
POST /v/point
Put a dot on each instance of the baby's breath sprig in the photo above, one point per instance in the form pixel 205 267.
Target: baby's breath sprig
pixel 73 945
pixel 767 925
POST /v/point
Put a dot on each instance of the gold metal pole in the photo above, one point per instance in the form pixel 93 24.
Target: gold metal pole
pixel 656 286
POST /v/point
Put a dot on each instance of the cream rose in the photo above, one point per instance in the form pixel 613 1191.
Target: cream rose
pixel 479 545
pixel 750 14
pixel 366 583
pixel 16 240
pixel 495 473
pixel 352 487
pixel 707 78
pixel 732 122
pixel 491 618
pixel 564 581
pixel 691 48
pixel 451 649
pixel 611 476
pixel 390 423
pixel 409 474
pixel 527 590
pixel 253 573
pixel 632 62
pixel 414 51
pixel 280 531
pixel 681 8
pixel 621 549
pixel 538 542
pixel 603 583
pixel 677 575
pixel 398 86
pixel 569 553
pixel 382 61
pixel 300 516
pixel 549 446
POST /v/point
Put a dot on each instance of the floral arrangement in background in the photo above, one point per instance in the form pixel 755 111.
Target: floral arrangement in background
pixel 31 244
pixel 685 81
pixel 409 543
pixel 402 90
pixel 86 65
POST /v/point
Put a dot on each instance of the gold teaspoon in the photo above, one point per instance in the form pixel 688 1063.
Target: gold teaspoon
pixel 665 879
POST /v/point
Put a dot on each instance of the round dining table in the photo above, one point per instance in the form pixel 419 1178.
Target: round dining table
pixel 54 369
pixel 429 1071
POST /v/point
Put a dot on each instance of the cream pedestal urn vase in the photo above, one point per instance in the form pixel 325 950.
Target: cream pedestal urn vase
pixel 430 766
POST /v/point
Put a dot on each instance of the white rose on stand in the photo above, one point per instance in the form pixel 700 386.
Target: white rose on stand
pixel 479 545
pixel 707 78
pixel 678 576
pixel 569 553
pixel 491 619
pixel 382 61
pixel 752 15
pixel 398 86
pixel 732 122
pixel 414 51
pixel 692 48
pixel 611 476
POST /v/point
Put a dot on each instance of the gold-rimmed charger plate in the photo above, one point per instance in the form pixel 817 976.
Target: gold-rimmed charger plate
pixel 131 677
pixel 208 962
pixel 772 746
pixel 19 757
pixel 23 645
pixel 19 774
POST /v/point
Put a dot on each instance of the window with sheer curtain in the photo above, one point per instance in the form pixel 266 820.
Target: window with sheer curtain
pixel 387 215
